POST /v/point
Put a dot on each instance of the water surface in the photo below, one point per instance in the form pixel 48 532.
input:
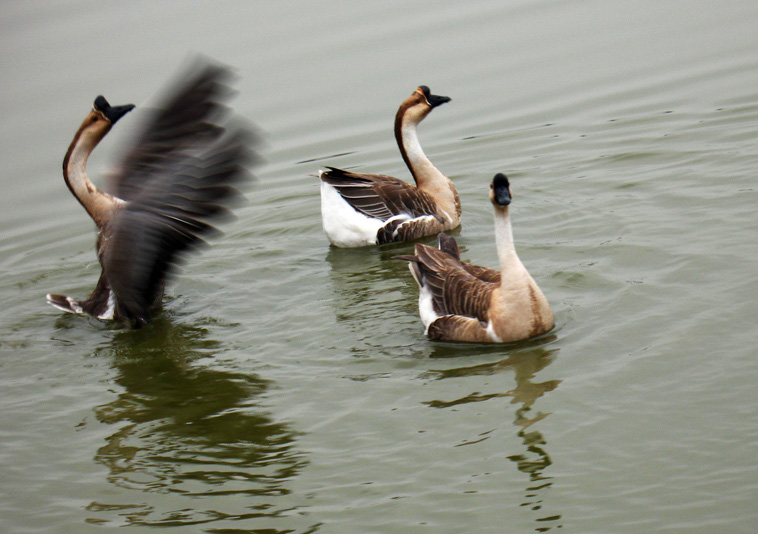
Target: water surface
pixel 288 386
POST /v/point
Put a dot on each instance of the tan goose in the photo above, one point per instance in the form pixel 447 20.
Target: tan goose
pixel 177 176
pixel 371 209
pixel 463 302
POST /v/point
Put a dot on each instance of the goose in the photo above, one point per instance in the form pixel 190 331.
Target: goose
pixel 459 301
pixel 177 176
pixel 371 209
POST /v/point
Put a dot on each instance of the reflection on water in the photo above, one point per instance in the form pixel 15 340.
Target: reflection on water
pixel 373 293
pixel 534 459
pixel 368 298
pixel 185 431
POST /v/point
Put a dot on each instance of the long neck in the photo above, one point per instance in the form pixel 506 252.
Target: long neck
pixel 428 178
pixel 421 168
pixel 97 203
pixel 506 250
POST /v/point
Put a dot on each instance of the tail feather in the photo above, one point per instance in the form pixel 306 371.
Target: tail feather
pixel 405 257
pixel 448 244
pixel 64 303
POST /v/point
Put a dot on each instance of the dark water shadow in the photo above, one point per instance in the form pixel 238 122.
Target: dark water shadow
pixel 534 459
pixel 191 441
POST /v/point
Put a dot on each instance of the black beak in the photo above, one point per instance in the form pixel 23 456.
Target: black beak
pixel 501 190
pixel 112 113
pixel 434 100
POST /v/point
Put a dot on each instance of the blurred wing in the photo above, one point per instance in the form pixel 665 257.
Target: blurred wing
pixel 168 216
pixel 188 116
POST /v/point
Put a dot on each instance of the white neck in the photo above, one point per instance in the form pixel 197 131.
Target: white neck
pixel 424 172
pixel 506 250
pixel 417 160
pixel 428 178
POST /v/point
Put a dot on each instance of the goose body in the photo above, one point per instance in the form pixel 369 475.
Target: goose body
pixel 177 177
pixel 459 301
pixel 372 209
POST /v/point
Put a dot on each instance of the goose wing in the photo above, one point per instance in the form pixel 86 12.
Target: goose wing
pixel 171 214
pixel 455 290
pixel 448 244
pixel 378 196
pixel 190 116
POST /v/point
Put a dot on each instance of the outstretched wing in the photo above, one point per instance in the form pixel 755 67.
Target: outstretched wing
pixel 379 196
pixel 178 178
pixel 191 115
pixel 170 215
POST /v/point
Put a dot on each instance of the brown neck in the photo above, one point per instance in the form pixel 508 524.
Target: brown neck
pixel 99 205
pixel 399 137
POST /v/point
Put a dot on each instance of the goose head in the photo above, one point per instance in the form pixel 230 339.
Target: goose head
pixel 103 116
pixel 108 112
pixel 419 104
pixel 500 191
pixel 98 122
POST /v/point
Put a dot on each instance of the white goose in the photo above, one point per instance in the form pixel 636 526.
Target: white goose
pixel 178 175
pixel 463 302
pixel 371 209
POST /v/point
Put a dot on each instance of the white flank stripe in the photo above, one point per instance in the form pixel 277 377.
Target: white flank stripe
pixel 491 332
pixel 109 312
pixel 426 307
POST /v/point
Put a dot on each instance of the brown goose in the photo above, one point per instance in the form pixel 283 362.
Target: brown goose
pixel 463 302
pixel 372 209
pixel 177 176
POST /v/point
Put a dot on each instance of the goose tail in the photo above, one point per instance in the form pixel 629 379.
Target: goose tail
pixel 64 303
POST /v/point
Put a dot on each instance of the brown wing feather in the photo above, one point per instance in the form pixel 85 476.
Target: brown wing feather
pixel 171 215
pixel 484 274
pixel 455 291
pixel 457 328
pixel 380 196
pixel 449 245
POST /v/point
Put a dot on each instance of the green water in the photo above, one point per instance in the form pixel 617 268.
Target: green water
pixel 287 386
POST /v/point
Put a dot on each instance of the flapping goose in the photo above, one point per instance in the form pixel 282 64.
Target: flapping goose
pixel 177 177
pixel 463 302
pixel 371 209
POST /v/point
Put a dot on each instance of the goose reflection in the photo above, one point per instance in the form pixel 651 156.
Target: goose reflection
pixel 368 302
pixel 185 430
pixel 534 459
